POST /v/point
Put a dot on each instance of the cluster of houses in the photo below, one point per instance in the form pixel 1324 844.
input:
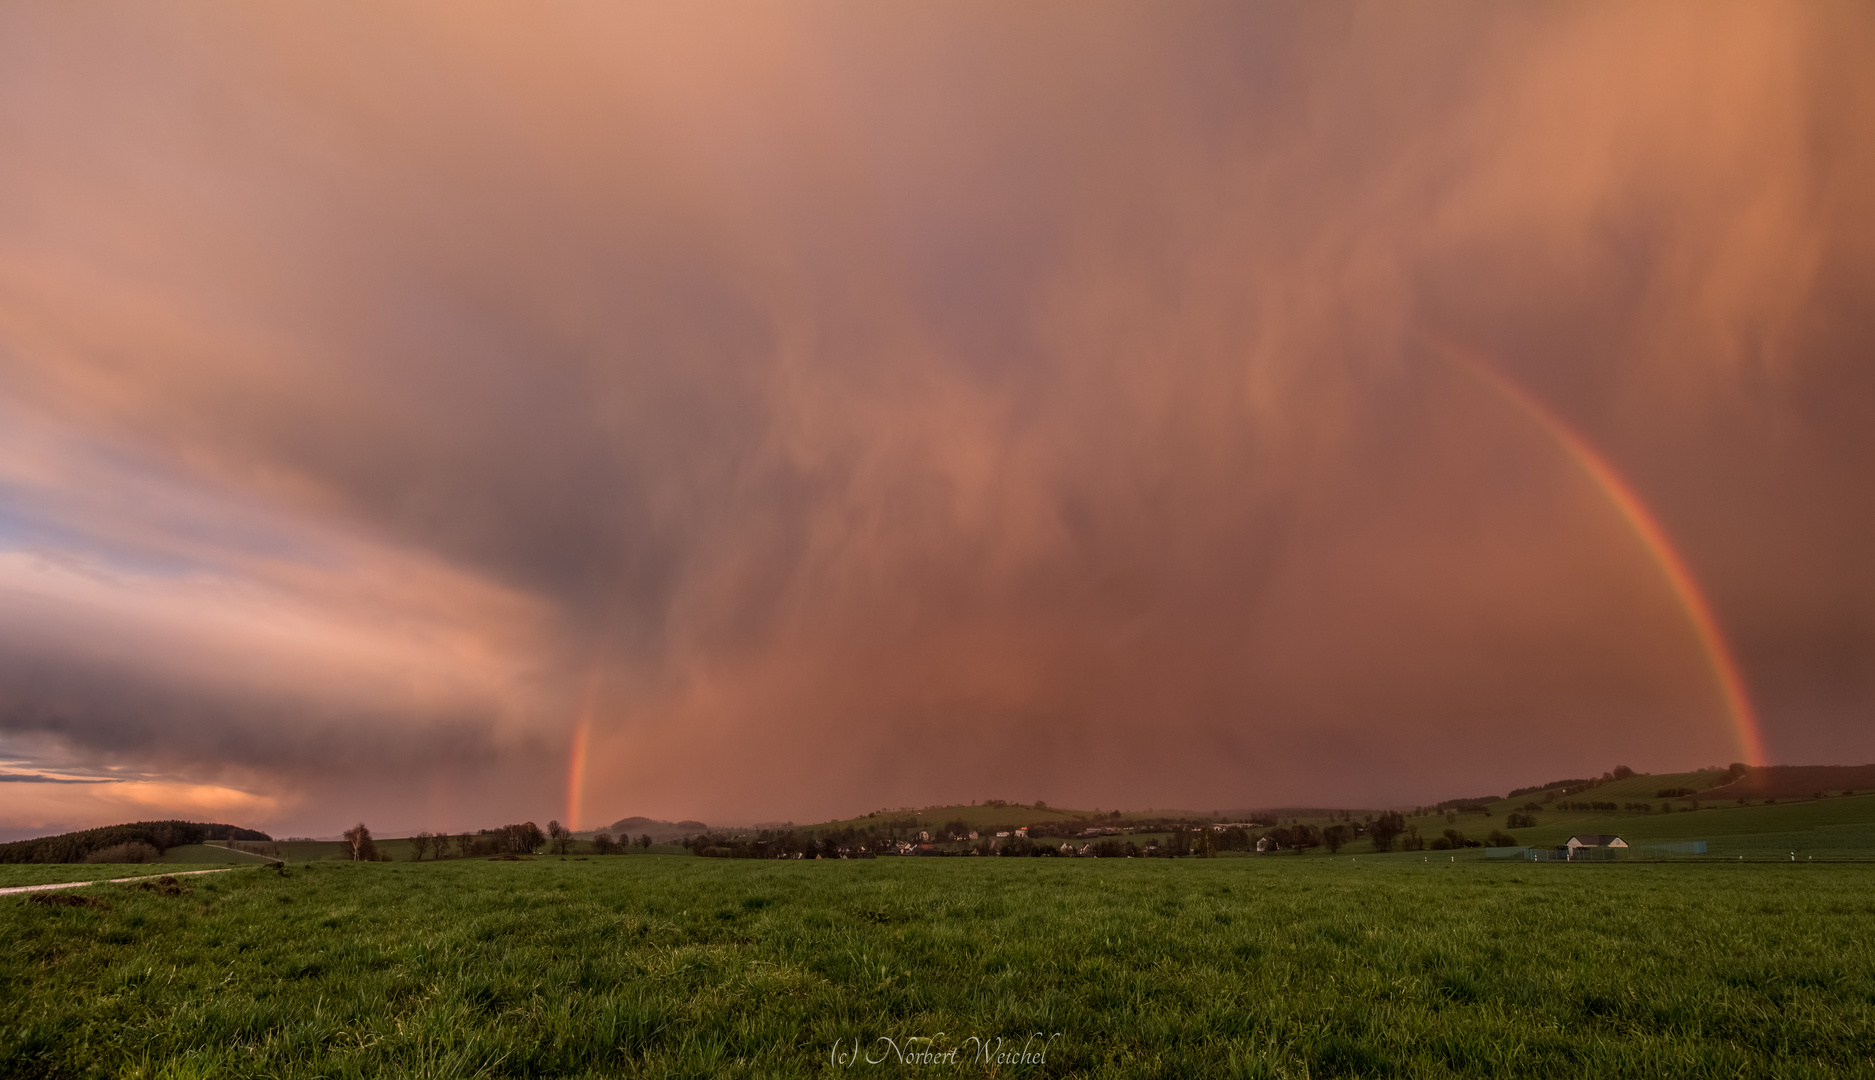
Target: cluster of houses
pixel 924 843
pixel 1582 846
pixel 1587 847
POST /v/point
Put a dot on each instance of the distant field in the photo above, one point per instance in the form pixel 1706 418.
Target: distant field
pixel 987 819
pixel 1824 842
pixel 51 873
pixel 399 849
pixel 702 968
pixel 209 854
pixel 1833 827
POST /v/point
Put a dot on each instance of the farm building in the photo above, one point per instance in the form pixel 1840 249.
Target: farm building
pixel 1598 841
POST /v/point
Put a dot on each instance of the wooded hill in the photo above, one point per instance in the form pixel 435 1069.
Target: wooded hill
pixel 73 847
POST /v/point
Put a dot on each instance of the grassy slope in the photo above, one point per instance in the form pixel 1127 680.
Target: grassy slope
pixel 184 857
pixel 1836 824
pixel 1847 823
pixel 1797 782
pixel 980 818
pixel 54 873
pixel 399 849
pixel 208 855
pixel 697 967
pixel 1713 822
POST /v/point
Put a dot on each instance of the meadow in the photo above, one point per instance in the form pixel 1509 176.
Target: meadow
pixel 675 966
pixel 49 873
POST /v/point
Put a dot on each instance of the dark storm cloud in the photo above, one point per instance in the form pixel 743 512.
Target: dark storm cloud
pixel 867 407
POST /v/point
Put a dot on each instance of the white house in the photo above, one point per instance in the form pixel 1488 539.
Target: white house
pixel 1594 841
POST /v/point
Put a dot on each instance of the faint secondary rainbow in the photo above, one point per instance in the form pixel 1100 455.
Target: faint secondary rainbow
pixel 1679 577
pixel 582 722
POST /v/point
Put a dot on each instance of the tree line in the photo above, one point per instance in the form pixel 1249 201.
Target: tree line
pixel 1182 838
pixel 1387 832
pixel 523 838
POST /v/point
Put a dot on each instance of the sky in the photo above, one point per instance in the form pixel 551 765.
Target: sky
pixel 440 415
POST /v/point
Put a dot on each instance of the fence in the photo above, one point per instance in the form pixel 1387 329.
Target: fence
pixel 1607 854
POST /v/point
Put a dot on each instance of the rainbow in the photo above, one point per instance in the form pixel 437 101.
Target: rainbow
pixel 1653 538
pixel 582 736
pixel 576 768
pixel 1641 521
pixel 582 723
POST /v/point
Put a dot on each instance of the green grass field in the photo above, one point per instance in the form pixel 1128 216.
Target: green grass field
pixel 1372 966
pixel 53 873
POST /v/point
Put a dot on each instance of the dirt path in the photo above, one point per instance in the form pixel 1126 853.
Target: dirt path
pixel 111 881
pixel 238 851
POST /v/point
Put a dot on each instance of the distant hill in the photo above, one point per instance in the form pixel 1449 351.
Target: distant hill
pixel 1620 797
pixel 660 832
pixel 1794 782
pixel 995 815
pixel 1271 814
pixel 72 847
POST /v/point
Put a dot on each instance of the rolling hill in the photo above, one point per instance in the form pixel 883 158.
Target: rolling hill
pixel 161 835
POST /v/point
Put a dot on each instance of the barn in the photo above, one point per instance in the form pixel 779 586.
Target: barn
pixel 1583 844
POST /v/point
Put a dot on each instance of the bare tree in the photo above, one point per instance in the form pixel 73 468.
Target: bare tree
pixel 645 841
pixel 602 844
pixel 524 838
pixel 419 845
pixel 559 837
pixel 359 845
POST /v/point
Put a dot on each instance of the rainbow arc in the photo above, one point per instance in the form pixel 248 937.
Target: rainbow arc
pixel 1621 496
pixel 1647 529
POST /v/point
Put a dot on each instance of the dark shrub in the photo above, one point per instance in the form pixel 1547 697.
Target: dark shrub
pixel 136 851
